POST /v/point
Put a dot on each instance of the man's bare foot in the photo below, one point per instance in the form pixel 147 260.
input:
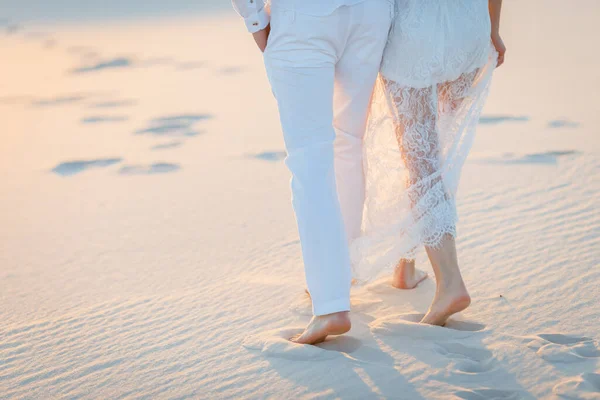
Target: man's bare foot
pixel 406 276
pixel 447 301
pixel 322 326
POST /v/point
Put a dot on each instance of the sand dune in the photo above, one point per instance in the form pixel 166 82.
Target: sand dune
pixel 148 248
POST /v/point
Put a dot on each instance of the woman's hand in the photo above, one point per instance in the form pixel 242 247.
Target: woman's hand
pixel 495 7
pixel 500 48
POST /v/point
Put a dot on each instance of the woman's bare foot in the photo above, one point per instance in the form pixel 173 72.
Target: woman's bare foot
pixel 322 326
pixel 406 276
pixel 447 301
pixel 451 295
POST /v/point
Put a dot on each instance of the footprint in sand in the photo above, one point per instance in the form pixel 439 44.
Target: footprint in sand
pixel 488 394
pixel 231 70
pixel 113 104
pixel 408 325
pixel 174 125
pixel 168 145
pixel 191 65
pixel 115 63
pixel 156 168
pixel 498 119
pixel 277 344
pixel 547 157
pixel 563 123
pixel 586 386
pixel 103 119
pixel 272 156
pixel 559 348
pixel 71 168
pixel 58 101
pixel 468 360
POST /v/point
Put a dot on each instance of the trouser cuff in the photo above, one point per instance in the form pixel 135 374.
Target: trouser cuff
pixel 332 306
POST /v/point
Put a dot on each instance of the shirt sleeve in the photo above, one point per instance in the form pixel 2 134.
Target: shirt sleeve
pixel 254 13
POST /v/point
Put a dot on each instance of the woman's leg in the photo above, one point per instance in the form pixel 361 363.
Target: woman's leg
pixel 451 294
pixel 416 113
pixel 406 275
pixel 413 114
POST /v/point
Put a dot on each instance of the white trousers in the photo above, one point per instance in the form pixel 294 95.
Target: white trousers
pixel 322 70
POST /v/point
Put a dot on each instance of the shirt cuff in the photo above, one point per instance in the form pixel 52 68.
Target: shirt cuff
pixel 258 21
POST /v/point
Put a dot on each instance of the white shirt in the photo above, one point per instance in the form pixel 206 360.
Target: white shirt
pixel 257 18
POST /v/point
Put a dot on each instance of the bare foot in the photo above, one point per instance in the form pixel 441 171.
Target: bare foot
pixel 406 276
pixel 447 301
pixel 322 326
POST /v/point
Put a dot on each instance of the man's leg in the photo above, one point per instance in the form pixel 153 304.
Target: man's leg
pixel 356 72
pixel 355 76
pixel 301 73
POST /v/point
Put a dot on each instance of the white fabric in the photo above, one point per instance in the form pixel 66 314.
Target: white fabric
pixel 322 71
pixel 435 74
pixel 254 13
pixel 317 8
pixel 257 18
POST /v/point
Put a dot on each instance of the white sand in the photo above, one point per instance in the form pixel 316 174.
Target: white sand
pixel 166 264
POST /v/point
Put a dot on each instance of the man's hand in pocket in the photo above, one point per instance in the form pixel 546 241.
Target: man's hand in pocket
pixel 261 37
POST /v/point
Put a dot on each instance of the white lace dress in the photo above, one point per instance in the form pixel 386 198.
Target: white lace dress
pixel 434 79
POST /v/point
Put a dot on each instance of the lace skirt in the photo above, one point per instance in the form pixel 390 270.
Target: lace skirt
pixel 434 80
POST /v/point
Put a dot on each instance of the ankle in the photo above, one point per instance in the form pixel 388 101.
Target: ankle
pixel 455 287
pixel 405 268
pixel 335 316
pixel 450 281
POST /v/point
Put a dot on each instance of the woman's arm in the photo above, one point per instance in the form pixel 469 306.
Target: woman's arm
pixel 495 7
